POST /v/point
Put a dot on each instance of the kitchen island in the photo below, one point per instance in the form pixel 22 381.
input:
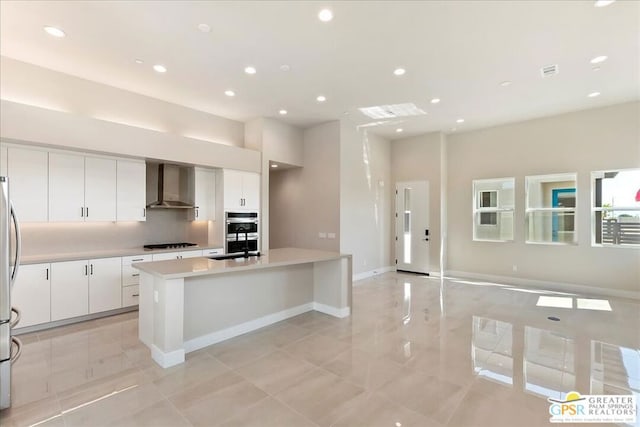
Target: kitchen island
pixel 188 304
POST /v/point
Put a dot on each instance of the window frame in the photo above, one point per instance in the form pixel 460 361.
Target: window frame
pixel 531 210
pixel 479 210
pixel 594 209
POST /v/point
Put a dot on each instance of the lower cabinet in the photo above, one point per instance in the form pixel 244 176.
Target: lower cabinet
pixel 32 294
pixel 105 284
pixel 69 289
pixel 130 295
pixel 82 287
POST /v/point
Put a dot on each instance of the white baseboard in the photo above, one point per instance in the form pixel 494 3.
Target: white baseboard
pixel 372 273
pixel 224 334
pixel 546 285
pixel 167 360
pixel 332 311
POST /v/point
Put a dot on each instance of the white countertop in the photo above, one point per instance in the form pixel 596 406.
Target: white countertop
pixel 202 266
pixel 109 253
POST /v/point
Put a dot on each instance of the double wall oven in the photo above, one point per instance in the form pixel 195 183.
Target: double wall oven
pixel 241 232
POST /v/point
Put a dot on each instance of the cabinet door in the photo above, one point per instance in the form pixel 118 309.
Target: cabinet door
pixel 100 189
pixel 190 254
pixel 69 289
pixel 205 195
pixel 165 256
pixel 213 252
pixel 105 284
pixel 130 295
pixel 28 182
pixel 233 190
pixel 131 190
pixel 66 187
pixel 251 191
pixel 32 294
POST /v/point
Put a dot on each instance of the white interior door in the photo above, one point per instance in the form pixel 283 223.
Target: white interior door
pixel 412 226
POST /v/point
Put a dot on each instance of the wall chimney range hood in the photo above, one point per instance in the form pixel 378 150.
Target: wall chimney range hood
pixel 174 186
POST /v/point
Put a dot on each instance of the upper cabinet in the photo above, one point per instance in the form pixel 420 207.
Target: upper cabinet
pixel 81 188
pixel 27 171
pixel 131 190
pixel 241 191
pixel 205 195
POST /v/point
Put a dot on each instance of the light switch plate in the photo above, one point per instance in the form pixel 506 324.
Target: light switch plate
pixel 322 235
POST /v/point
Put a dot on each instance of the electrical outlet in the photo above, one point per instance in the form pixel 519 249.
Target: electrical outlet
pixel 515 267
pixel 332 235
pixel 155 296
pixel 322 235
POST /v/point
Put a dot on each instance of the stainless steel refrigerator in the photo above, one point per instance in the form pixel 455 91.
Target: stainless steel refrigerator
pixel 10 347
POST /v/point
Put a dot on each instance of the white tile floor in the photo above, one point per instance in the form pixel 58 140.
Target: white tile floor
pixel 417 351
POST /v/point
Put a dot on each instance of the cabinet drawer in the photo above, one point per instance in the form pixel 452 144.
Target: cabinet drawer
pixel 212 252
pixel 130 275
pixel 128 260
pixel 130 296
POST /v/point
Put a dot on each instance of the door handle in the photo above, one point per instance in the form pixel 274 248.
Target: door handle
pixel 92 269
pixel 82 211
pixel 86 270
pixel 426 240
pixel 16 263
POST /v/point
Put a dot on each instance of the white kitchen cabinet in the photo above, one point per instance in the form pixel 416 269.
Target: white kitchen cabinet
pixel 66 187
pixel 205 195
pixel 130 275
pixel 131 190
pixel 213 252
pixel 105 284
pixel 69 289
pixel 100 189
pixel 177 255
pixel 32 294
pixel 241 191
pixel 3 160
pixel 81 188
pixel 27 170
pixel 130 296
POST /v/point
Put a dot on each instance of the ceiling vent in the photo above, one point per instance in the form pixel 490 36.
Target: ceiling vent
pixel 549 70
pixel 392 111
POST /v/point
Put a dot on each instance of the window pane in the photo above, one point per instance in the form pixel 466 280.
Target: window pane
pixel 619 227
pixel 501 229
pixel 551 191
pixel 617 189
pixel 551 227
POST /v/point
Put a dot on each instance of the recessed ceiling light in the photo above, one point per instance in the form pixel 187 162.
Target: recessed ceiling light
pixel 229 93
pixel 435 100
pixel 139 61
pixel 603 3
pixel 505 83
pixel 250 70
pixel 325 15
pixel 593 94
pixel 598 59
pixel 55 32
pixel 274 166
pixel 285 67
pixel 283 112
pixel 399 130
pixel 204 28
pixel 399 71
pixel 460 121
pixel 160 68
pixel 321 98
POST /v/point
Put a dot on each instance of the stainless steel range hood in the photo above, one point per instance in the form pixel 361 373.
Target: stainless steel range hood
pixel 174 186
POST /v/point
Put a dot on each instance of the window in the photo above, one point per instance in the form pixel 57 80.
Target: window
pixel 551 209
pixel 616 208
pixel 493 209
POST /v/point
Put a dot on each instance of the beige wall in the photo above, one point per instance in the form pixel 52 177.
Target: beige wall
pixel 29 84
pixel 306 201
pixel 419 159
pixel 365 193
pixel 583 141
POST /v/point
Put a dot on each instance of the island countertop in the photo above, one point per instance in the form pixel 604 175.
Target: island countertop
pixel 202 266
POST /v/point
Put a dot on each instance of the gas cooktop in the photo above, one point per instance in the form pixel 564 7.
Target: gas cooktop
pixel 170 245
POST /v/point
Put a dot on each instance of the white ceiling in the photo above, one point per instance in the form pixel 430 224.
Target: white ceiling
pixel 458 51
